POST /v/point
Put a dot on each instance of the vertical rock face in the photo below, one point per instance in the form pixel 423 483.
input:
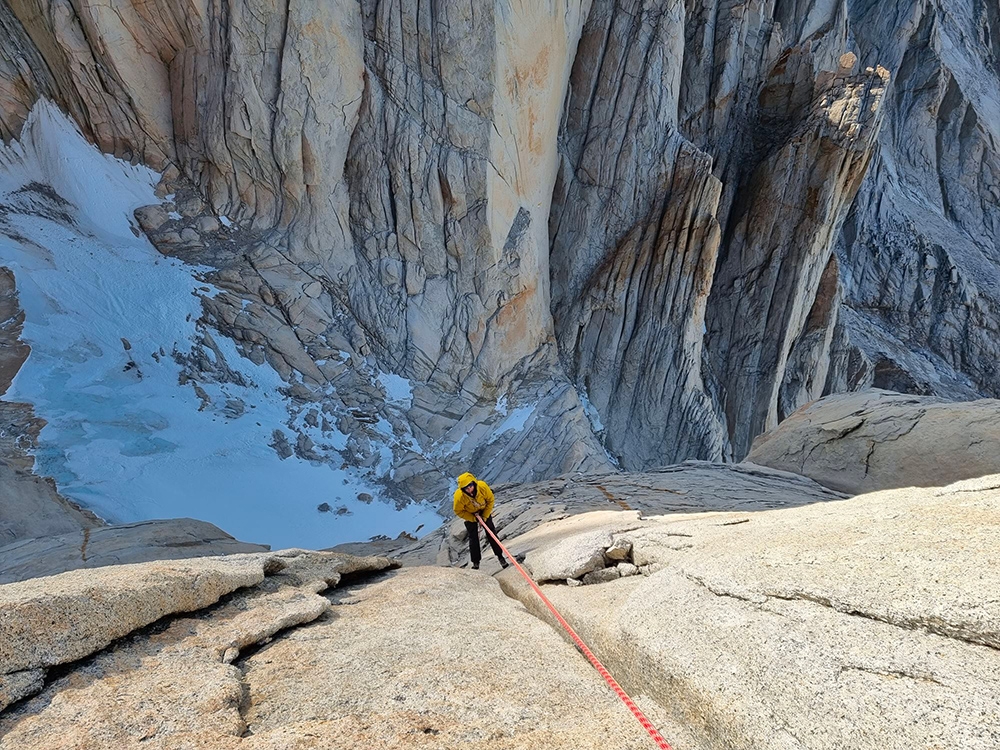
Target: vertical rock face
pixel 783 122
pixel 634 239
pixel 921 246
pixel 451 172
pixel 768 283
pixel 700 214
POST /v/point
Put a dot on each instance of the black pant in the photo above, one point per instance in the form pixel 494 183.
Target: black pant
pixel 473 528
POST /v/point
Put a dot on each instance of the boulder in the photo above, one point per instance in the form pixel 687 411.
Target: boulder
pixel 874 440
pixel 573 557
pixel 620 549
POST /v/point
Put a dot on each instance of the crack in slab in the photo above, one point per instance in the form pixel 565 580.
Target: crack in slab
pixel 932 625
pixel 926 677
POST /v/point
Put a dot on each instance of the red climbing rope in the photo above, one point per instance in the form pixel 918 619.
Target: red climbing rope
pixel 646 724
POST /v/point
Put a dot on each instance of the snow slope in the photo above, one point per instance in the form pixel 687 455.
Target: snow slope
pixel 105 314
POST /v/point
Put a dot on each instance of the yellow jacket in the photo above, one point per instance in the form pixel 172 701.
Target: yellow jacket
pixel 482 503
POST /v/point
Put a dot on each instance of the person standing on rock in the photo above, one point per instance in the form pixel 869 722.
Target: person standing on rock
pixel 474 497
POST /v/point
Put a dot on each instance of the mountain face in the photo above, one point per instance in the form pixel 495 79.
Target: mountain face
pixel 530 238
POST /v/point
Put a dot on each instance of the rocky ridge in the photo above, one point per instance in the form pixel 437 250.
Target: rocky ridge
pixel 275 664
pixel 857 622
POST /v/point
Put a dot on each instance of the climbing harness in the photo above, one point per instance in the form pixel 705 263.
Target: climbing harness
pixel 640 717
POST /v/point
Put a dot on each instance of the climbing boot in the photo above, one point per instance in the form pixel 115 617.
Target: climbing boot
pixel 475 566
pixel 503 563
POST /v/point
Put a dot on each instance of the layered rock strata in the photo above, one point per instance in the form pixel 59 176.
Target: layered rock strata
pixel 53 621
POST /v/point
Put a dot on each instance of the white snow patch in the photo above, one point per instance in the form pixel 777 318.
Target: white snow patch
pixel 224 220
pixel 398 389
pixel 501 407
pixel 174 216
pixel 127 441
pixel 591 411
pixel 457 446
pixel 515 421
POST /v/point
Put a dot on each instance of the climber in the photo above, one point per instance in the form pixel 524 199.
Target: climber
pixel 475 498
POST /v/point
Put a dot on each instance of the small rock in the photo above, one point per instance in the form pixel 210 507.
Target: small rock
pixel 234 408
pixel 343 510
pixel 206 401
pixel 189 236
pixel 207 224
pixel 306 449
pixel 620 550
pixel 190 206
pixel 601 576
pixel 231 655
pixel 167 238
pixel 151 218
pixel 325 508
pixel 574 582
pixel 365 497
pixel 281 445
pixel 627 569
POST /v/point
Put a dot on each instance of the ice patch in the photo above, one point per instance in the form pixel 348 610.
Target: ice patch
pixel 398 389
pixel 122 436
pixel 591 411
pixel 224 220
pixel 515 421
pixel 501 407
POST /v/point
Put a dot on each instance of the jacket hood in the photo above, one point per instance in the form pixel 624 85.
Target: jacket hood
pixel 466 479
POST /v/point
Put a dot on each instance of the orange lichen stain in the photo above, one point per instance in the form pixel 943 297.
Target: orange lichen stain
pixel 537 72
pixel 513 317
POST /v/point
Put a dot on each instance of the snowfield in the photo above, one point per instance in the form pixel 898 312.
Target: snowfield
pixel 105 313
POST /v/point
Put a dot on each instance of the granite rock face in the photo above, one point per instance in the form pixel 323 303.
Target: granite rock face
pixel 423 658
pixel 876 440
pixel 855 618
pixel 59 620
pixel 920 247
pixel 699 216
pixel 802 627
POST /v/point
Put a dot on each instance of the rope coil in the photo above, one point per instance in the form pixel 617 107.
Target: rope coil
pixel 629 703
